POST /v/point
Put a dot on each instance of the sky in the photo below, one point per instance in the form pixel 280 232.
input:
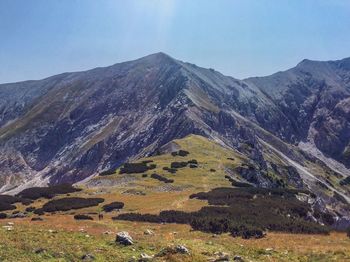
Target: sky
pixel 240 38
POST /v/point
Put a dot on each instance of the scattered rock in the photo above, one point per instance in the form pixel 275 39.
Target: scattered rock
pixel 18 215
pixel 124 238
pixel 10 223
pixel 88 257
pixel 144 257
pixel 238 258
pixel 179 249
pixel 108 232
pixel 8 228
pixel 182 249
pixel 39 250
pixel 148 232
pixel 52 231
pixel 221 257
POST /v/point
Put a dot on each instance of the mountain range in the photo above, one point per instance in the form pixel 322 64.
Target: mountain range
pixel 70 127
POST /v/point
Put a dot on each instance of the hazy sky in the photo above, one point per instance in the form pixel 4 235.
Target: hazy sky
pixel 241 38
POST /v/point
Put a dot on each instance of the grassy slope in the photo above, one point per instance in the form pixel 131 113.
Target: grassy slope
pixel 70 243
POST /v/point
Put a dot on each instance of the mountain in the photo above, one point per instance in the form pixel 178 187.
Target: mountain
pixel 292 125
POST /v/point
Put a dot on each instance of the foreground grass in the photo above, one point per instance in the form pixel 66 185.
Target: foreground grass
pixel 70 240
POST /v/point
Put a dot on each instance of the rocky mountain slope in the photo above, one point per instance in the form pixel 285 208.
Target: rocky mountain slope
pixel 68 127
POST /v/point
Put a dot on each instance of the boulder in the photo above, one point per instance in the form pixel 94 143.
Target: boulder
pixel 124 238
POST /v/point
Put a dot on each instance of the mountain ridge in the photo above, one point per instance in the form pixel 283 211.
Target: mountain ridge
pixel 71 126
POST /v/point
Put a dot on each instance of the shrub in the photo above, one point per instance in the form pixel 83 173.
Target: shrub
pixel 129 168
pixel 161 178
pixel 178 164
pixel 47 192
pixel 65 204
pixel 107 172
pixel 193 166
pixel 170 170
pixel 83 217
pixel 6 202
pixel 113 206
pixel 193 161
pixel 245 212
pixel 39 211
pixel 182 153
pixel 212 170
pixel 3 216
pixel 144 175
pixel 30 209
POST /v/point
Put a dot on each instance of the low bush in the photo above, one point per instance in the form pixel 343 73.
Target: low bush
pixel 245 212
pixel 130 168
pixel 193 166
pixel 178 164
pixel 162 178
pixel 170 170
pixel 69 203
pixel 113 206
pixel 182 153
pixel 83 217
pixel 193 161
pixel 107 172
pixel 39 211
pixel 47 192
pixel 30 209
pixel 7 201
pixel 3 216
pixel 144 175
pixel 212 170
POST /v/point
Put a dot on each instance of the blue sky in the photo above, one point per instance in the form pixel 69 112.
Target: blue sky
pixel 241 38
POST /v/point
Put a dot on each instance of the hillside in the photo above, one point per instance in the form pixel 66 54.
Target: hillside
pixel 207 166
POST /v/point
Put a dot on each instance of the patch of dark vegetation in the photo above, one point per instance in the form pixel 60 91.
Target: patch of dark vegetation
pixel 47 192
pixel 212 170
pixel 37 219
pixel 107 172
pixel 348 232
pixel 345 181
pixel 162 178
pixel 178 164
pixel 39 211
pixel 193 161
pixel 170 170
pixel 7 202
pixel 82 217
pixel 245 212
pixel 144 175
pixel 147 161
pixel 130 168
pixel 237 183
pixel 231 158
pixel 3 216
pixel 69 203
pixel 182 153
pixel 30 209
pixel 193 166
pixel 113 206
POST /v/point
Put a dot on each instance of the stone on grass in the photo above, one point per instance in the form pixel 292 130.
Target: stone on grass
pixel 124 238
